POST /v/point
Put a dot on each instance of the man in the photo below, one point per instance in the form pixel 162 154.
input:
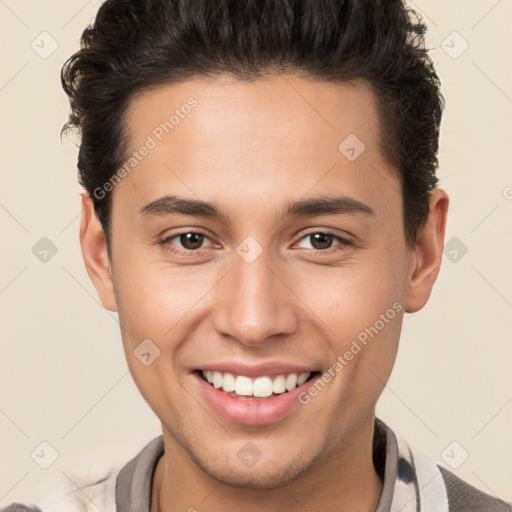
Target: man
pixel 261 209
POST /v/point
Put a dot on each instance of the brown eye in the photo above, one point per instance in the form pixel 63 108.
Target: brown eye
pixel 321 240
pixel 191 241
pixel 324 242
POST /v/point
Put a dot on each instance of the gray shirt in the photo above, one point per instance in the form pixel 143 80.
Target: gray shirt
pixel 411 482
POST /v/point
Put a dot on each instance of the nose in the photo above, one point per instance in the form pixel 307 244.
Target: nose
pixel 254 303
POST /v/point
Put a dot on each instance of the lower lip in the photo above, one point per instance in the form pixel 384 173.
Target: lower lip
pixel 252 412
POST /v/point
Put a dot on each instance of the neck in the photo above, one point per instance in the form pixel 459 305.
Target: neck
pixel 346 480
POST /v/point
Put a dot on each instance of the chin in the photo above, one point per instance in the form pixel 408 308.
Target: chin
pixel 254 479
pixel 269 474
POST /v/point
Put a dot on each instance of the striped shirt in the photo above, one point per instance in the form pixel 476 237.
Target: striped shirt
pixel 412 482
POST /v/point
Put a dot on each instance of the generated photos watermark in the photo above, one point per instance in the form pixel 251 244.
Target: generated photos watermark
pixel 356 346
pixel 151 142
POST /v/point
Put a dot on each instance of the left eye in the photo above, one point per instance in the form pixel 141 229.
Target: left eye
pixel 188 241
pixel 320 241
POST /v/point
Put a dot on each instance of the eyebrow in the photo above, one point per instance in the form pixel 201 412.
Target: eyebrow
pixel 169 205
pixel 328 206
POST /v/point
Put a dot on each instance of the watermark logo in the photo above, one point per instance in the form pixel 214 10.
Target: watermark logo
pixel 455 249
pixel 249 249
pixel 454 45
pixel 352 147
pixel 146 352
pixel 44 250
pixel 44 454
pixel 455 455
pixel 249 455
pixel 44 45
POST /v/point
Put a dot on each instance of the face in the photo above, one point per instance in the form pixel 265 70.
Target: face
pixel 258 248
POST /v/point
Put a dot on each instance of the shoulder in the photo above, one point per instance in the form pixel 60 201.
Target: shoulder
pixel 73 493
pixel 421 479
pixel 90 488
pixel 19 507
pixel 463 497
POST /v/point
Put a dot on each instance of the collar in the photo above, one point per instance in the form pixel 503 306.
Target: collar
pixel 411 481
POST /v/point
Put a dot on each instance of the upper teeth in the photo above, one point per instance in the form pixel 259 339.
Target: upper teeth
pixel 259 387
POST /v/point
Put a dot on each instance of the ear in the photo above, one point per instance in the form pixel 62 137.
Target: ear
pixel 94 251
pixel 425 259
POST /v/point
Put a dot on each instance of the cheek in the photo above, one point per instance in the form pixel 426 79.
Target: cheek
pixel 352 297
pixel 361 307
pixel 153 298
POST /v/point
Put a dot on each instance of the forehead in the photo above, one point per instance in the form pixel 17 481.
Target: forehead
pixel 219 136
pixel 283 106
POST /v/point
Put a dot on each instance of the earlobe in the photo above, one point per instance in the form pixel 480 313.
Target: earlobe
pixel 94 251
pixel 426 257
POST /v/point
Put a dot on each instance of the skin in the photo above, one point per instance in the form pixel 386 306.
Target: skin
pixel 250 149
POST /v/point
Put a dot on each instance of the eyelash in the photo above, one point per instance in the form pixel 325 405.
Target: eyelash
pixel 193 252
pixel 343 242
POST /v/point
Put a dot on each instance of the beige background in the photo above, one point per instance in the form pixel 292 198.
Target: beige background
pixel 64 379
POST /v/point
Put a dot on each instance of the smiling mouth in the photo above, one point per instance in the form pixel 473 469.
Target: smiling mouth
pixel 259 388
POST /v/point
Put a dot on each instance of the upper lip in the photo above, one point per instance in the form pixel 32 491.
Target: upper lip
pixel 270 369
